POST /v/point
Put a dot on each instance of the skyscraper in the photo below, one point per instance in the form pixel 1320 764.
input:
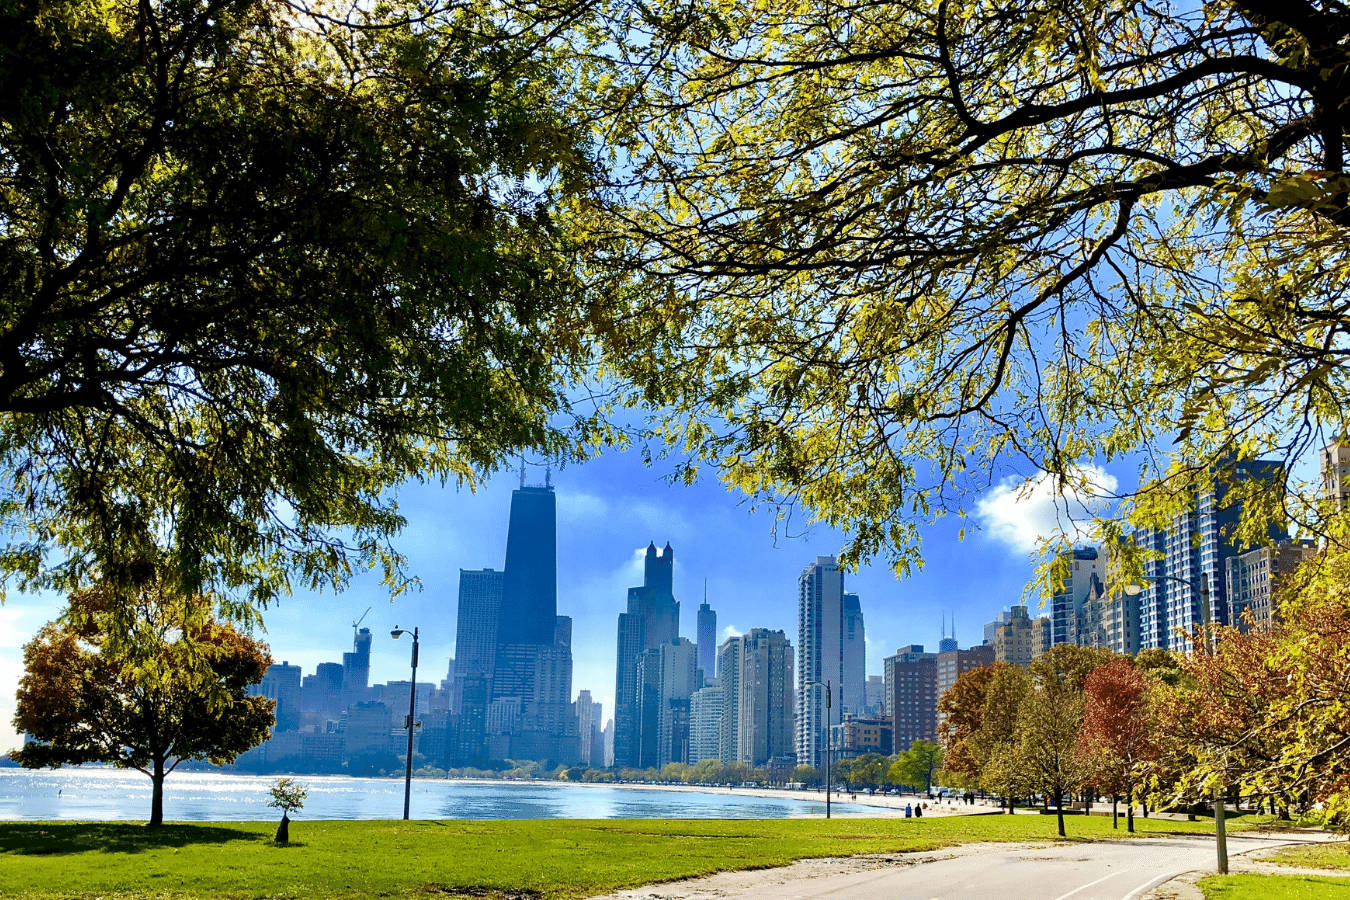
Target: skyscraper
pixel 1010 636
pixel 707 637
pixel 729 674
pixel 668 678
pixel 1196 546
pixel 911 686
pixel 820 644
pixel 765 728
pixel 356 669
pixel 1084 564
pixel 281 682
pixel 705 721
pixel 480 600
pixel 528 613
pixel 952 664
pixel 652 619
pixel 853 686
pixel 587 710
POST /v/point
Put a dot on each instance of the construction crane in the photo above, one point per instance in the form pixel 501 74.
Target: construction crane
pixel 358 622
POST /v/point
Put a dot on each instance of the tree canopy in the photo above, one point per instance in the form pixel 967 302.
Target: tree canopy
pixel 258 265
pixel 890 252
pixel 141 685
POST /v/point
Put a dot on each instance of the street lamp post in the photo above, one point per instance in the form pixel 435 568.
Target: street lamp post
pixel 829 702
pixel 412 714
pixel 1207 619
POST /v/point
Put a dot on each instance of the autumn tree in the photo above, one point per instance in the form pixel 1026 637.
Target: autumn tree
pixel 994 745
pixel 960 711
pixel 885 249
pixel 144 682
pixel 918 766
pixel 1117 732
pixel 261 264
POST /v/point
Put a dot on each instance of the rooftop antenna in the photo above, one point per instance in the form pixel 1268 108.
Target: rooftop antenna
pixel 705 590
pixel 548 475
pixel 522 471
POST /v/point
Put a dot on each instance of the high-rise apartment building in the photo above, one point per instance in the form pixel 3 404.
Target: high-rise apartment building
pixel 705 721
pixel 1187 585
pixel 820 644
pixel 911 688
pixel 729 674
pixel 651 620
pixel 1252 579
pixel 1084 564
pixel 1110 622
pixel 587 711
pixel 765 729
pixel 952 664
pixel 853 688
pixel 876 695
pixel 668 675
pixel 1010 636
pixel 707 638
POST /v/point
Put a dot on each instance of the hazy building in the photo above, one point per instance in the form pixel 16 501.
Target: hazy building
pixel 651 620
pixel 669 676
pixel 707 638
pixel 321 694
pixel 876 695
pixel 911 683
pixel 356 669
pixel 705 721
pixel 952 664
pixel 609 743
pixel 366 731
pixel 991 629
pixel 281 682
pixel 820 644
pixel 587 712
pixel 480 601
pixel 853 688
pixel 1252 579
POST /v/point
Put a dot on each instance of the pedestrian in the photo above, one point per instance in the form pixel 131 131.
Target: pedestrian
pixel 909 811
pixel 918 810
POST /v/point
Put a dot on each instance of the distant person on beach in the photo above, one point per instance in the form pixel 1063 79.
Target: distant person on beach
pixel 909 811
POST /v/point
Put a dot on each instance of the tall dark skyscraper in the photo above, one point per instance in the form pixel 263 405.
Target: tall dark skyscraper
pixel 652 619
pixel 356 669
pixel 707 637
pixel 480 600
pixel 530 583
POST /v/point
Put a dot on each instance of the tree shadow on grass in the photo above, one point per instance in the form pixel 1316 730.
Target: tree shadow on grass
pixel 48 838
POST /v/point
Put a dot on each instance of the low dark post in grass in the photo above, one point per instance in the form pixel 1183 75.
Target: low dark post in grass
pixel 287 794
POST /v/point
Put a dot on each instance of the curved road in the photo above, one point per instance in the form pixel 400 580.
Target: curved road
pixel 1101 870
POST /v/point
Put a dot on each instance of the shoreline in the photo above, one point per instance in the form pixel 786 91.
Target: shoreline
pixel 894 805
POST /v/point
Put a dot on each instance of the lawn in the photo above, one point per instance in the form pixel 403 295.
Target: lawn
pixel 548 858
pixel 1270 887
pixel 1317 856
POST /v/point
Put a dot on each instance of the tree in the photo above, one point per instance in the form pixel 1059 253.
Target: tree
pixel 260 265
pixel 994 745
pixel 1047 731
pixel 807 775
pixel 286 794
pixel 174 687
pixel 918 765
pixel 1117 731
pixel 893 247
pixel 962 711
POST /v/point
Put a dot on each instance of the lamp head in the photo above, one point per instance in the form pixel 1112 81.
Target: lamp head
pixel 1134 590
pixel 397 632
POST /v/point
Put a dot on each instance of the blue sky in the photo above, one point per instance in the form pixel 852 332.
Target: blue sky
pixel 608 510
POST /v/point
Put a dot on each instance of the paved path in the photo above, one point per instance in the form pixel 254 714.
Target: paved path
pixel 1119 870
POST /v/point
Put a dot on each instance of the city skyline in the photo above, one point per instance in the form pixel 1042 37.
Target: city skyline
pixel 608 511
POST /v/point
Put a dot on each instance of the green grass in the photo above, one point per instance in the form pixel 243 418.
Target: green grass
pixel 1275 887
pixel 546 858
pixel 1318 856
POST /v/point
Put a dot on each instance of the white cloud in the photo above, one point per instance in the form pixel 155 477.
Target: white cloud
pixel 579 506
pixel 1022 511
pixel 731 631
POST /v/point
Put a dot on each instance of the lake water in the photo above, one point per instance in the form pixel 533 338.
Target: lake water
pixel 117 794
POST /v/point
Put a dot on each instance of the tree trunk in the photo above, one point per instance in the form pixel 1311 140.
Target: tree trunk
pixel 1129 817
pixel 157 795
pixel 1059 812
pixel 284 829
pixel 1115 810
